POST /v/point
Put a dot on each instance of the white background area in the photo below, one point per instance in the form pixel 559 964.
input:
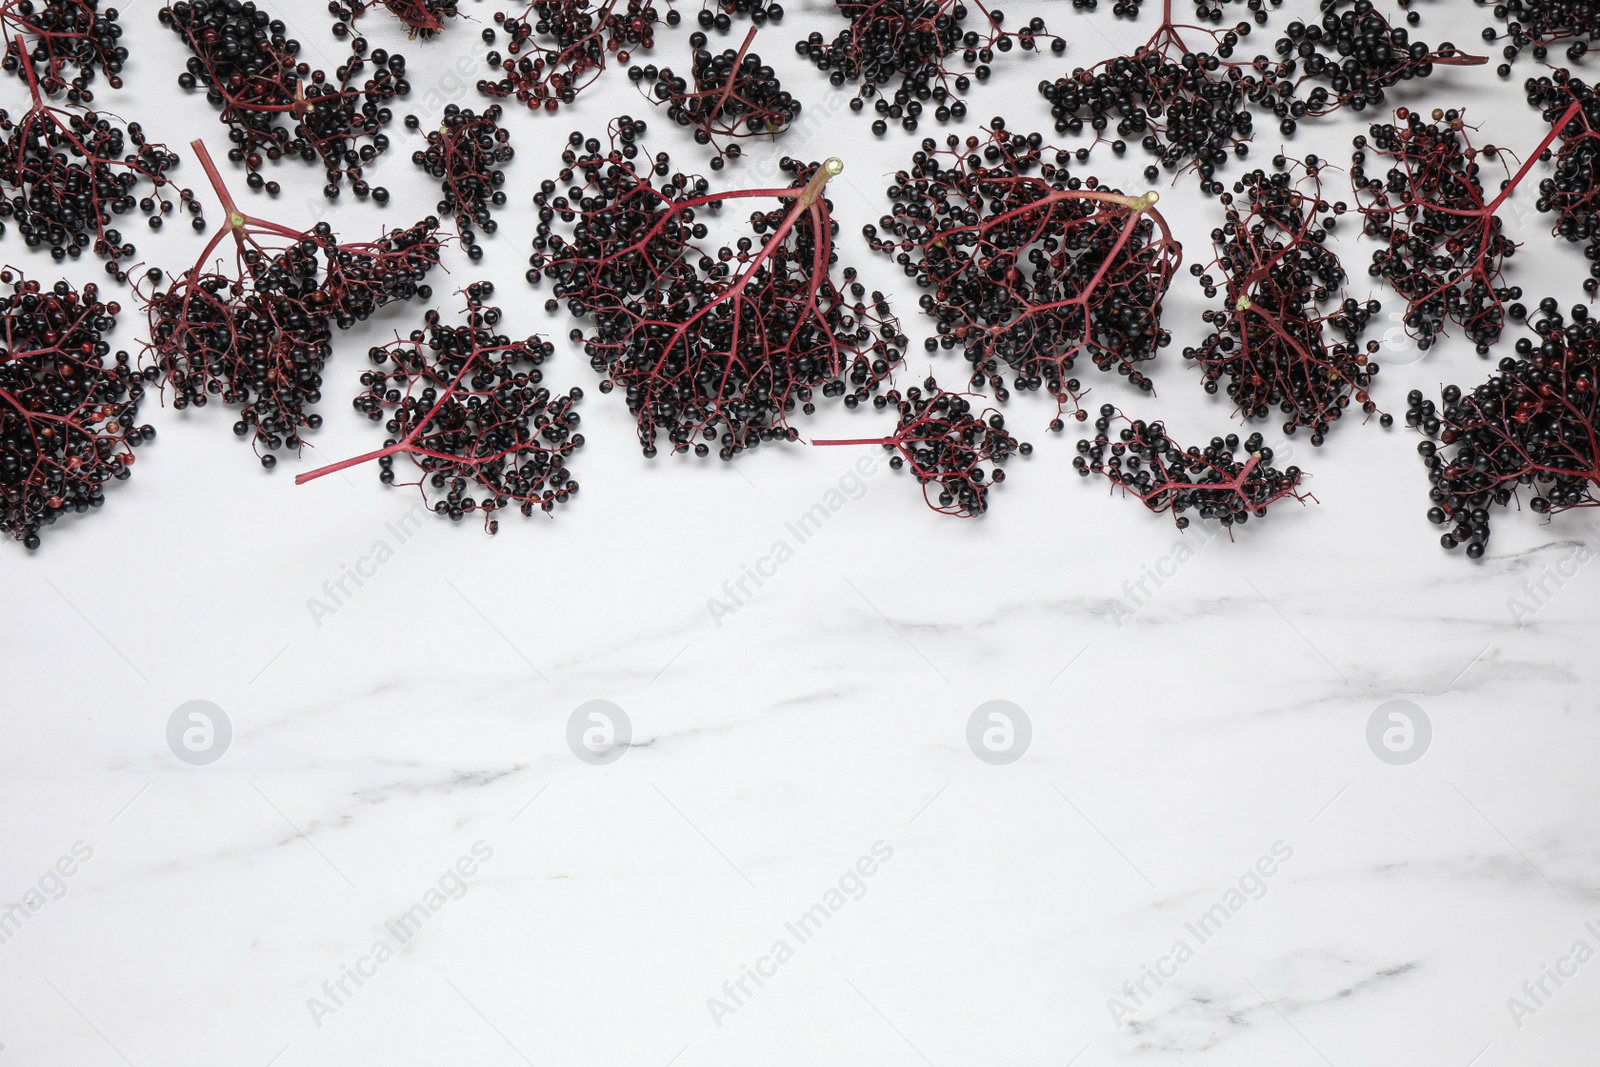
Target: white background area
pixel 1178 732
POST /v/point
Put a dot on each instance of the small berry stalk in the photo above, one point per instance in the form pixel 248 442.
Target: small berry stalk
pixel 945 443
pixel 1209 483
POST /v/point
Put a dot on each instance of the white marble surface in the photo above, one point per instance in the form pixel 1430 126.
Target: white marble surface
pixel 423 723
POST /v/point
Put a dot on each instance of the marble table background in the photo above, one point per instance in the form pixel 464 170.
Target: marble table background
pixel 398 858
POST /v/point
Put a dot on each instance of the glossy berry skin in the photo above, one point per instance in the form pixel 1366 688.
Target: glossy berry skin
pixel 277 106
pixel 719 14
pixel 70 173
pixel 712 347
pixel 1532 425
pixel 734 95
pixel 900 51
pixel 1027 267
pixel 1212 484
pixel 558 48
pixel 466 154
pixel 464 404
pixel 1272 345
pixel 68 407
pixel 68 43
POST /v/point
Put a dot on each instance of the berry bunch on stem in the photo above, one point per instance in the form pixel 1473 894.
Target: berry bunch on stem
pixel 1272 343
pixel 466 153
pixel 584 35
pixel 710 346
pixel 68 408
pixel 72 172
pixel 1572 193
pixel 1359 55
pixel 1541 25
pixel 734 96
pixel 250 69
pixel 1187 106
pixel 66 43
pixel 1027 267
pixel 422 18
pixel 900 50
pixel 945 443
pixel 1446 246
pixel 465 405
pixel 257 337
pixel 1534 424
pixel 1212 484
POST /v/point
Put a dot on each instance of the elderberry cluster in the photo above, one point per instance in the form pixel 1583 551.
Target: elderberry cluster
pixel 69 173
pixel 1572 192
pixel 1444 245
pixel 1212 483
pixel 734 95
pixel 1358 55
pixel 68 407
pixel 710 346
pixel 465 405
pixel 585 35
pixel 907 43
pixel 945 443
pixel 260 341
pixel 1028 267
pixel 466 153
pixel 1271 342
pixel 67 43
pixel 721 19
pixel 1533 424
pixel 1185 106
pixel 250 69
pixel 1542 25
